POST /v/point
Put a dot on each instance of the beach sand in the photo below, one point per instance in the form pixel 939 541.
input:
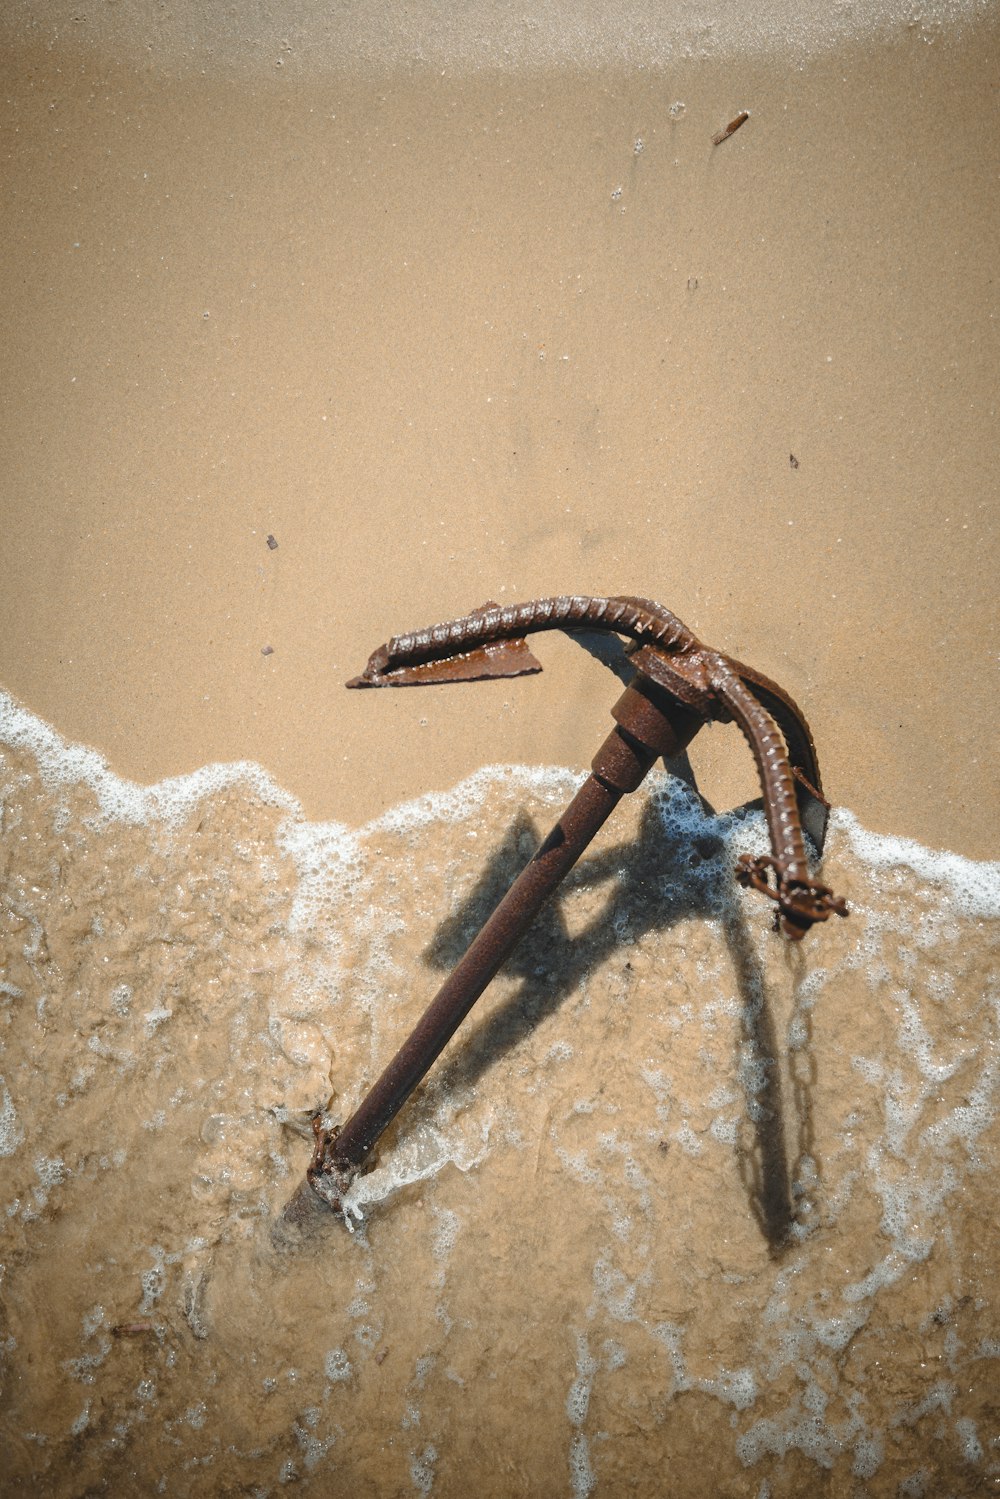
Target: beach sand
pixel 452 336
pixel 315 337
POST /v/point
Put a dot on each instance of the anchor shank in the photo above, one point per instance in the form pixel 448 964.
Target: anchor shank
pixel 651 723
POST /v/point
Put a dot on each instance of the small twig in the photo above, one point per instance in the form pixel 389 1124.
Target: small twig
pixel 731 128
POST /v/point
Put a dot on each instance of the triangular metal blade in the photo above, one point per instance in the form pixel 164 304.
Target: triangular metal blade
pixel 502 658
pixel 814 809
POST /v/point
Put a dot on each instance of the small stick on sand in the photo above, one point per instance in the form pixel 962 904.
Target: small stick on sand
pixel 731 128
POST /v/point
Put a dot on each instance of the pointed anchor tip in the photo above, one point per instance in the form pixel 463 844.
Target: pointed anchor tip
pixel 503 658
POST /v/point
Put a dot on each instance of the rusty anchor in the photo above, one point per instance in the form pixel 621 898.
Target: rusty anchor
pixel 679 685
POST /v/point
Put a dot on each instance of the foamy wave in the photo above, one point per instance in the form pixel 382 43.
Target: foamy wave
pixel 62 765
pixel 424 1153
pixel 320 849
pixel 311 38
pixel 973 885
pixel 635 1055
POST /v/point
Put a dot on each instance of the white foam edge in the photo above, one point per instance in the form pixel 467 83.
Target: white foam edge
pixel 62 764
pixel 411 1162
pixel 191 36
pixel 547 781
pixel 973 884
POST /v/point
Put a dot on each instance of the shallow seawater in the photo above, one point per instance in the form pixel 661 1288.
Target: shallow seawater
pixel 676 1189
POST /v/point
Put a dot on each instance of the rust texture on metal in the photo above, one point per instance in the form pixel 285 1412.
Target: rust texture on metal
pixel 679 685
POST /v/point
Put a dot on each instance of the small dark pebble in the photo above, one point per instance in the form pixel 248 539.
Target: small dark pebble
pixel 267 650
pixel 272 543
pixel 793 460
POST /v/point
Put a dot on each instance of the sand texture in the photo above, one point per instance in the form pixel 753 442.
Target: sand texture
pixel 453 338
pixel 306 347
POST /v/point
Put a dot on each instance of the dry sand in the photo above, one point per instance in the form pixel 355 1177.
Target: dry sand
pixel 453 336
pixel 685 1210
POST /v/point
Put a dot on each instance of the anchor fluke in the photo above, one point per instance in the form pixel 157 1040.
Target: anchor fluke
pixel 503 658
pixel 494 658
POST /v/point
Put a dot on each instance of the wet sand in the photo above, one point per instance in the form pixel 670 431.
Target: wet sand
pixel 679 1190
pixel 676 1187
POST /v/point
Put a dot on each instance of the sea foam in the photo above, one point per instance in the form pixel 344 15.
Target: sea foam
pixel 651 1080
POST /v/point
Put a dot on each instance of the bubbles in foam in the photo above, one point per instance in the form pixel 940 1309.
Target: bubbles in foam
pixel 82 1421
pixel 868 1454
pixel 582 1478
pixel 93 1320
pixel 447 1225
pixel 121 998
pixel 969 1119
pixel 581 1474
pixel 337 1366
pixel 968 1436
pixel 973 888
pixel 422 1469
pixel 11 1132
pixel 578 1399
pixel 577 1164
pixel 50 1172
pixel 550 783
pixel 687 1139
pixel 615 1356
pixel 153 1281
pixel 614 1291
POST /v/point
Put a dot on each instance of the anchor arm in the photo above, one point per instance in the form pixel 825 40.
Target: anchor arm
pixel 413 659
pixel 801 900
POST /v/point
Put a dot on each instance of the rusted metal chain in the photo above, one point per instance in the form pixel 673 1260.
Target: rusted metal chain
pixel 679 685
